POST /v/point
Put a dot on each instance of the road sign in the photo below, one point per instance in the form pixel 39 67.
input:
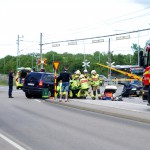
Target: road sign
pixel 56 64
pixel 98 41
pixel 123 37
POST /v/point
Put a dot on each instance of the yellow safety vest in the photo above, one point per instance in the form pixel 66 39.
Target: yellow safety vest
pixel 95 80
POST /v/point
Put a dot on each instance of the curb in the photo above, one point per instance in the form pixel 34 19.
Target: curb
pixel 115 112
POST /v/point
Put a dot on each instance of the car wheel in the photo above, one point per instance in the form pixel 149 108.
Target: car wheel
pixel 144 97
pixel 28 95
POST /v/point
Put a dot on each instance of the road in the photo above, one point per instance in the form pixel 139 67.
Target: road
pixel 39 125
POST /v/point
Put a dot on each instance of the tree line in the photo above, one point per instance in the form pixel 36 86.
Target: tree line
pixel 75 61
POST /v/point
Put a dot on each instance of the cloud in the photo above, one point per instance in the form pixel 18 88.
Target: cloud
pixel 142 2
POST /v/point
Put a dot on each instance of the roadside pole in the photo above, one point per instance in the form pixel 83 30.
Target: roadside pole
pixel 55 65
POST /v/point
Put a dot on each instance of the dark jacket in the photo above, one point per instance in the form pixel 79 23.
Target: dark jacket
pixel 65 76
pixel 10 78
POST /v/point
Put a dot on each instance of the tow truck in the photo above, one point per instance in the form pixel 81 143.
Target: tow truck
pixel 145 62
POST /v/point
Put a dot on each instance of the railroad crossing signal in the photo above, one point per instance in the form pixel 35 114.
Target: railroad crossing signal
pixel 86 64
pixel 39 61
pixel 110 64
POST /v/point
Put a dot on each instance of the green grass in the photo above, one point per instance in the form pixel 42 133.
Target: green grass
pixel 3 82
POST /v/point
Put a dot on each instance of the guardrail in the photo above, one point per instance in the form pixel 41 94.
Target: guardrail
pixel 115 81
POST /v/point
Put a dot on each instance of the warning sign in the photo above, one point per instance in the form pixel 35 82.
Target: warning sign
pixel 56 65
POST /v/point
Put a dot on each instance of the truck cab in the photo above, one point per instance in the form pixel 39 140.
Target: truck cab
pixel 145 62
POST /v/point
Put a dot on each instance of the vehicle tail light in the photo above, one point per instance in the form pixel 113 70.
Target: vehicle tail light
pixel 40 83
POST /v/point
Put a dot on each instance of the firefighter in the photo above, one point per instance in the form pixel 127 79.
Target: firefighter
pixel 95 84
pixel 77 75
pixel 84 87
pixel 74 84
pixel 86 74
pixel 109 94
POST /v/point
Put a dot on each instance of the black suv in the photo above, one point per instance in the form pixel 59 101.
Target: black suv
pixel 35 82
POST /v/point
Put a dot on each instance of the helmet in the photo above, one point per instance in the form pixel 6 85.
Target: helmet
pixel 81 76
pixel 78 72
pixel 42 70
pixel 93 72
pixel 85 71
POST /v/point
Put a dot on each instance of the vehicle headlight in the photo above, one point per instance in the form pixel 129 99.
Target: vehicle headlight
pixel 134 89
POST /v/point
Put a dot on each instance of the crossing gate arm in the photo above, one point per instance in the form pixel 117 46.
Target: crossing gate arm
pixel 122 72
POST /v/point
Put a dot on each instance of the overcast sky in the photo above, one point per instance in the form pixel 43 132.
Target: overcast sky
pixel 61 20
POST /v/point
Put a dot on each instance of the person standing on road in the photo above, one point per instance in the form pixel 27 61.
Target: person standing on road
pixel 10 83
pixel 65 77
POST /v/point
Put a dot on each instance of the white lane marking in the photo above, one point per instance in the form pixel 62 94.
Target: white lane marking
pixel 12 142
pixel 37 100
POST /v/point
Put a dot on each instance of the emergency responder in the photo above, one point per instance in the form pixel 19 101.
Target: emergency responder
pixel 86 74
pixel 108 95
pixel 74 84
pixel 77 74
pixel 84 87
pixel 95 84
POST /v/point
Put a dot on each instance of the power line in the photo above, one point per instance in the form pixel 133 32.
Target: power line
pixel 97 37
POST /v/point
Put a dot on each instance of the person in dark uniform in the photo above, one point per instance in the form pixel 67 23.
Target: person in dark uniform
pixel 10 83
pixel 65 77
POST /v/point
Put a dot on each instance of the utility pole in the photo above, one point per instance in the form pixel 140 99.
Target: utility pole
pixel 18 44
pixel 84 50
pixel 138 49
pixel 41 49
pixel 17 51
pixel 109 60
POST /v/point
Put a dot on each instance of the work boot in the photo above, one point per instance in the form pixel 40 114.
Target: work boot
pixel 99 96
pixel 11 97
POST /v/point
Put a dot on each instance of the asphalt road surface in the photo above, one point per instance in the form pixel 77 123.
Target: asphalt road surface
pixel 39 125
